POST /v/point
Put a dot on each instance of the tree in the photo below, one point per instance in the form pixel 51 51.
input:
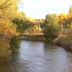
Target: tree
pixel 8 9
pixel 52 27
pixel 22 25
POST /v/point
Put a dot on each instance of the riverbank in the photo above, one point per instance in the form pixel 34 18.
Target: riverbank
pixel 32 37
pixel 64 42
pixel 60 41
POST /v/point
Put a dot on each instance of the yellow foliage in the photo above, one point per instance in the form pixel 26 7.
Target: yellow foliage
pixel 7 31
pixel 62 17
pixel 7 28
pixel 8 8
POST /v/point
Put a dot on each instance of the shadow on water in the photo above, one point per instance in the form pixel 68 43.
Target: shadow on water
pixel 38 57
pixel 9 64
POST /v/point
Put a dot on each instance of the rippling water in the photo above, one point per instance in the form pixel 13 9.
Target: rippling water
pixel 38 57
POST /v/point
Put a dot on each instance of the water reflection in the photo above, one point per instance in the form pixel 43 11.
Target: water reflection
pixel 38 57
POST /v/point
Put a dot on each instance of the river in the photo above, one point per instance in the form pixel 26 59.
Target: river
pixel 38 57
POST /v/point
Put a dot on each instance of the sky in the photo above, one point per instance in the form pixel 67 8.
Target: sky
pixel 40 8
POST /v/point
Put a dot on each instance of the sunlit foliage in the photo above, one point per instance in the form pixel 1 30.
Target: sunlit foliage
pixel 8 8
pixel 7 28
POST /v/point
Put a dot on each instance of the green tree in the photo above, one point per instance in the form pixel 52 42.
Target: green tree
pixel 22 25
pixel 52 27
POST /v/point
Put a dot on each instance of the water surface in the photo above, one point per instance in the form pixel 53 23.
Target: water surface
pixel 38 57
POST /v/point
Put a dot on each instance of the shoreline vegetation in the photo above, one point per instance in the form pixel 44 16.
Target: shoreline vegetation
pixel 55 29
pixel 59 41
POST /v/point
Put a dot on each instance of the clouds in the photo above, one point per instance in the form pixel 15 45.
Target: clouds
pixel 39 8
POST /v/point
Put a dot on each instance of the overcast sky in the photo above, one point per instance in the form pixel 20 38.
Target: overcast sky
pixel 39 8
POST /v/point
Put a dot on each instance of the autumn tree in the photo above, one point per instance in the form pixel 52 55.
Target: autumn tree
pixel 8 9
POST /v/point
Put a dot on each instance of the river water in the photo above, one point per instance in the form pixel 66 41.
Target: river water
pixel 38 57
